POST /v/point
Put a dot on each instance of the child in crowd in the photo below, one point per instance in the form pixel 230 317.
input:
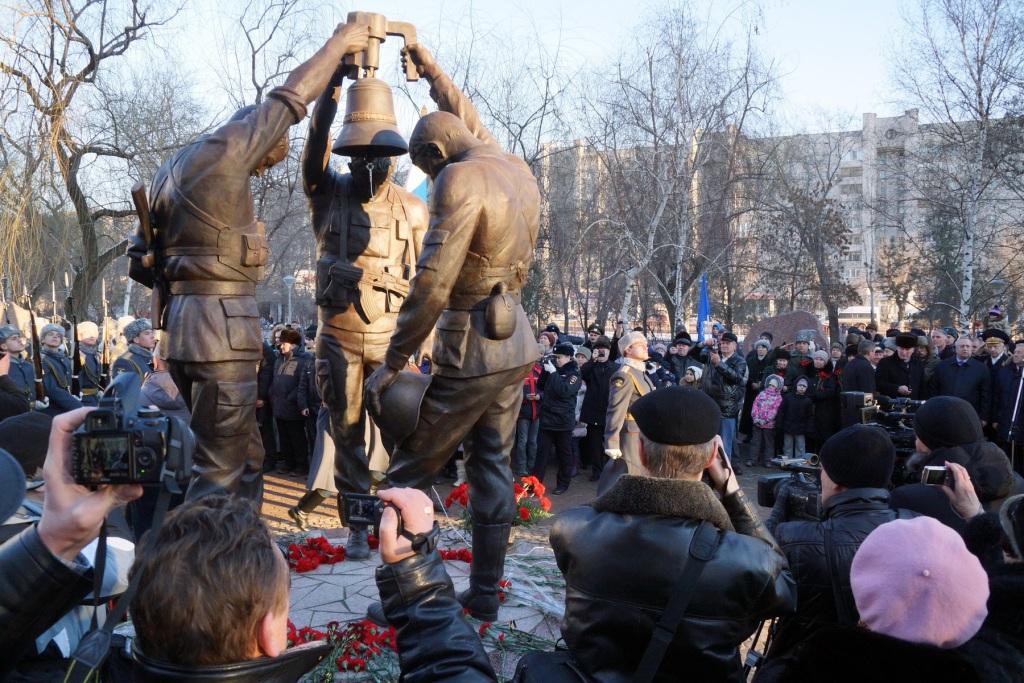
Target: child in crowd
pixel 691 377
pixel 796 418
pixel 764 413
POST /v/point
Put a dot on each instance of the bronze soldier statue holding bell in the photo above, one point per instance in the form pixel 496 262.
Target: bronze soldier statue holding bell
pixel 368 232
pixel 484 217
pixel 201 248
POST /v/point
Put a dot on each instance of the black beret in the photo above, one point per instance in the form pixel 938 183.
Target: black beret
pixel 906 341
pixel 677 416
pixel 594 327
pixel 945 421
pixel 729 336
pixel 603 342
pixel 564 350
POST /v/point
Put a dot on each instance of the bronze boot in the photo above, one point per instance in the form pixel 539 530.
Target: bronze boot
pixel 490 541
pixel 306 505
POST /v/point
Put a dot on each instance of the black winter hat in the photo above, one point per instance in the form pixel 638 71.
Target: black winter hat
pixel 729 336
pixel 906 341
pixel 945 421
pixel 26 437
pixel 677 416
pixel 860 456
pixel 655 357
pixel 782 353
pixel 564 350
pixel 603 342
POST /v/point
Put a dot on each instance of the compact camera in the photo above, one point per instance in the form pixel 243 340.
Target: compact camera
pixel 937 475
pixel 362 509
pixel 122 443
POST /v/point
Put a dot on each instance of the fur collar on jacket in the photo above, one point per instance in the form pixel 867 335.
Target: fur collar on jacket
pixel 633 495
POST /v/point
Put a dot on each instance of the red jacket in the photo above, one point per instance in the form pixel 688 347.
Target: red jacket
pixel 530 409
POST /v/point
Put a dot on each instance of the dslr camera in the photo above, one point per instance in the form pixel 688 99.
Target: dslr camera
pixel 123 443
pixel 363 509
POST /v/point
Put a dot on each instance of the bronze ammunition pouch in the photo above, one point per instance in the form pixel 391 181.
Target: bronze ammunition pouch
pixel 340 283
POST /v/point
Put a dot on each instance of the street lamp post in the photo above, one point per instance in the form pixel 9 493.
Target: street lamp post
pixel 289 282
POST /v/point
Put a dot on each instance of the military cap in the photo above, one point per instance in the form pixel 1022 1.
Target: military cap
pixel 603 342
pixel 677 416
pixel 51 327
pixel 951 331
pixel 135 328
pixel 906 341
pixel 595 328
pixel 994 336
pixel 682 340
pixel 551 327
pixel 8 331
pixel 564 350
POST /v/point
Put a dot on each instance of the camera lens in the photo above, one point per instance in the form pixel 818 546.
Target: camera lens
pixel 144 458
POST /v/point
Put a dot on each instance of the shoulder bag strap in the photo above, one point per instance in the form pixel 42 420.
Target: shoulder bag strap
pixel 843 613
pixel 702 548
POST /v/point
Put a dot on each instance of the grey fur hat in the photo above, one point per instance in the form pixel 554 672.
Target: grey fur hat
pixel 135 328
pixel 52 327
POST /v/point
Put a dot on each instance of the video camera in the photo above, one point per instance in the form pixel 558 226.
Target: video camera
pixel 122 443
pixel 896 417
pixel 799 486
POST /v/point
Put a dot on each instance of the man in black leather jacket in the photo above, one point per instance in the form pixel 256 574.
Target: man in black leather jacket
pixel 856 467
pixel 613 603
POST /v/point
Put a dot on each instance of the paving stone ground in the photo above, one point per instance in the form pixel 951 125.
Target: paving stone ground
pixel 531 615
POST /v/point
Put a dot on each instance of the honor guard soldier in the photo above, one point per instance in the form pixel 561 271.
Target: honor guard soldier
pixel 205 251
pixel 630 382
pixel 138 358
pixel 90 378
pixel 368 232
pixel 56 371
pixel 21 372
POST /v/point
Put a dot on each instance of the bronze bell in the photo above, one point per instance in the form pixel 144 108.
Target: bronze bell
pixel 370 128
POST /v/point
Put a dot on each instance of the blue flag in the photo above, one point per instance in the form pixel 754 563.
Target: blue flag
pixel 703 308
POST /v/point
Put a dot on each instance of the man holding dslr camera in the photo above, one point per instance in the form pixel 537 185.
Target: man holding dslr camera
pixel 856 469
pixel 215 569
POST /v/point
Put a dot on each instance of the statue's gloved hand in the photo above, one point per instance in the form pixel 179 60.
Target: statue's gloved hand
pixel 419 55
pixel 376 384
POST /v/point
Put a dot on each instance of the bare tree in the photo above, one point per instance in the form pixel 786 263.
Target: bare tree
pixel 962 66
pixel 65 127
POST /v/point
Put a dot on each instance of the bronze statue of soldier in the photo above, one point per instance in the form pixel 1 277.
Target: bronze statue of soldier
pixel 484 216
pixel 206 252
pixel 368 231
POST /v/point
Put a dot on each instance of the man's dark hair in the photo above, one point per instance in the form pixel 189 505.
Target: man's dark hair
pixel 209 580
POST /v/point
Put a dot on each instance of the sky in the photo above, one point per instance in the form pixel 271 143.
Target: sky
pixel 832 56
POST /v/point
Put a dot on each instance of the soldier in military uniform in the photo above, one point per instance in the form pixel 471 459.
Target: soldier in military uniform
pixel 21 372
pixel 630 382
pixel 57 371
pixel 210 251
pixel 90 377
pixel 368 232
pixel 484 218
pixel 138 357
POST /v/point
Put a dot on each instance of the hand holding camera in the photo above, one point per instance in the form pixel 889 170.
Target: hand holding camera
pixel 72 514
pixel 415 513
pixel 719 471
pixel 958 488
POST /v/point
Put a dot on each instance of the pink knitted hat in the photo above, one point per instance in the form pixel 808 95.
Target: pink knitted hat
pixel 915 580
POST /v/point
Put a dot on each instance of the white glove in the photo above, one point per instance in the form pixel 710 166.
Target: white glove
pixel 613 453
pixel 549 367
pixel 41 405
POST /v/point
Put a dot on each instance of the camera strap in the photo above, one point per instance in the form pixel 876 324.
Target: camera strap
pixel 702 548
pixel 94 647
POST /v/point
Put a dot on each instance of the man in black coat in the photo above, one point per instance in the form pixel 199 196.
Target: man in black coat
pixel 597 374
pixel 621 555
pixel 901 375
pixel 964 377
pixel 856 467
pixel 859 374
pixel 559 385
pixel 1009 399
